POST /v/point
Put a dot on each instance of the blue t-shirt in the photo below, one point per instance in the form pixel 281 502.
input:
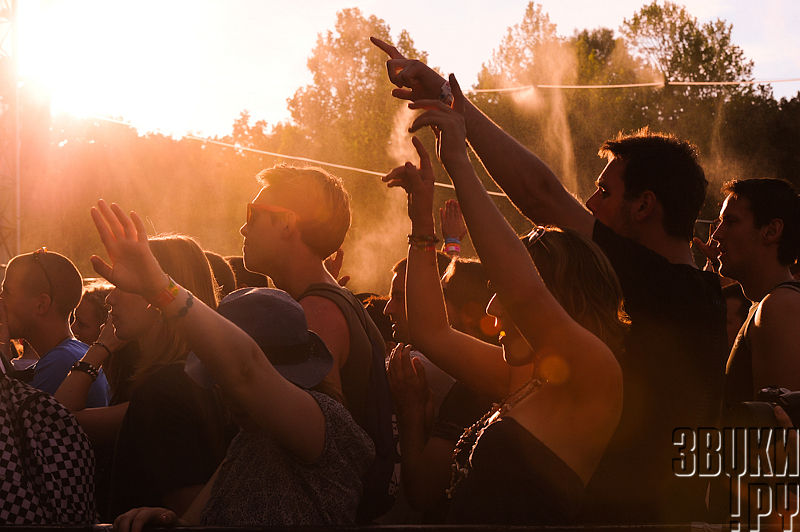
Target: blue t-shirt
pixel 53 367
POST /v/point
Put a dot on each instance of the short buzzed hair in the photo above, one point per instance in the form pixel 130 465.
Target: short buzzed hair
pixel 318 198
pixel 53 274
pixel 669 168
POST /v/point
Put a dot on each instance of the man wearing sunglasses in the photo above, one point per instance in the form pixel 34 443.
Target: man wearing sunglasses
pixel 40 291
pixel 298 219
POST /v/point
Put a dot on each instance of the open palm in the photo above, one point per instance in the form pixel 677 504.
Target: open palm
pixel 133 267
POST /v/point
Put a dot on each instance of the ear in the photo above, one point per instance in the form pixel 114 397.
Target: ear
pixel 644 206
pixel 771 233
pixel 43 304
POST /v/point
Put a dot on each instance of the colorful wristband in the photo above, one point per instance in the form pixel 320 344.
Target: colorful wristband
pixel 452 249
pixel 423 242
pixel 165 296
pixel 452 240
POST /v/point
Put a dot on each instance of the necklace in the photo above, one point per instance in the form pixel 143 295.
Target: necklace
pixel 462 454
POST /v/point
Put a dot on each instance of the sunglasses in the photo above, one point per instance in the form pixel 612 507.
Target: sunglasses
pixel 41 252
pixel 253 208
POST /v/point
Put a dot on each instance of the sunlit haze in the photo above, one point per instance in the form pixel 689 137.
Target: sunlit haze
pixel 187 66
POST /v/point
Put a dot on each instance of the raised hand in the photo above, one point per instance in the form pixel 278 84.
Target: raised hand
pixel 133 267
pixel 415 79
pixel 448 124
pixel 453 225
pixel 108 337
pixel 409 386
pixel 334 266
pixel 710 250
pixel 418 184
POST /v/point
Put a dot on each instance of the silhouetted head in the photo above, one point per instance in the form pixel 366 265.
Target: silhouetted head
pixel 655 162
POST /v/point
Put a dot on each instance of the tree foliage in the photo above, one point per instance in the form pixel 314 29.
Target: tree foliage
pixel 345 115
pixel 673 42
pixel 345 110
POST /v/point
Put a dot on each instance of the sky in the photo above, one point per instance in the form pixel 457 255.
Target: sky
pixel 191 66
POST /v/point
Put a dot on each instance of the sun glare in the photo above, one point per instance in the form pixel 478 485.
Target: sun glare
pixel 70 50
pixel 109 58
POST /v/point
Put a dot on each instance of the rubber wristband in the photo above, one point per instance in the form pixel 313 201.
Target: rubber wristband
pixel 165 296
pixel 452 249
pixel 452 240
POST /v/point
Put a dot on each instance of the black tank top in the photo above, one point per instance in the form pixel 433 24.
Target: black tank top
pixel 739 384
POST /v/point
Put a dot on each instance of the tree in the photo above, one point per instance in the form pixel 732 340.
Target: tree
pixel 672 41
pixel 346 114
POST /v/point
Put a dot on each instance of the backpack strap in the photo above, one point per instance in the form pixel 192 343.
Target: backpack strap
pixel 355 373
pixel 792 285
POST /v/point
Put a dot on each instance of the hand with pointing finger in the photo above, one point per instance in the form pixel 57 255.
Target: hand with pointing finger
pixel 448 124
pixel 418 184
pixel 415 79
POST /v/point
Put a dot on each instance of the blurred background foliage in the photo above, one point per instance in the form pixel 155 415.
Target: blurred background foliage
pixel 346 116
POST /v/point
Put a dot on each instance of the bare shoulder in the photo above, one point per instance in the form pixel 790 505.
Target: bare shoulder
pixel 780 308
pixel 775 339
pixel 317 307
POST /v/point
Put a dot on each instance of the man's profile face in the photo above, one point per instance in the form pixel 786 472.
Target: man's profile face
pixel 261 240
pixel 737 236
pixel 608 203
pixel 20 306
pixel 395 308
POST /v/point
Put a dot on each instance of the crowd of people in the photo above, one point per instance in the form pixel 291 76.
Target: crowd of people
pixel 538 385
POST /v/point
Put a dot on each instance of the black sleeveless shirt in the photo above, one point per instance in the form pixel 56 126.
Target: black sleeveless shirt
pixel 739 384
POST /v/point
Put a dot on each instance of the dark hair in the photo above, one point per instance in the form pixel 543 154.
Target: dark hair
pixel 244 277
pixel 666 166
pixel 94 296
pixel 465 283
pixel 582 280
pixel 770 199
pixel 223 273
pixel 54 274
pixel 374 304
pixel 442 262
pixel 318 198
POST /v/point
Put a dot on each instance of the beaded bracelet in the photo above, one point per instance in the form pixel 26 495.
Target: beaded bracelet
pixel 185 308
pixel 87 368
pixel 423 242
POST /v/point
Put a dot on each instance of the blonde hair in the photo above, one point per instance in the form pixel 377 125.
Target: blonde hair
pixel 183 260
pixel 581 278
pixel 318 198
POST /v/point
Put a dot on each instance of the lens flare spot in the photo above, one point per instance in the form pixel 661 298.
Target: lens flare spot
pixel 554 369
pixel 489 326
